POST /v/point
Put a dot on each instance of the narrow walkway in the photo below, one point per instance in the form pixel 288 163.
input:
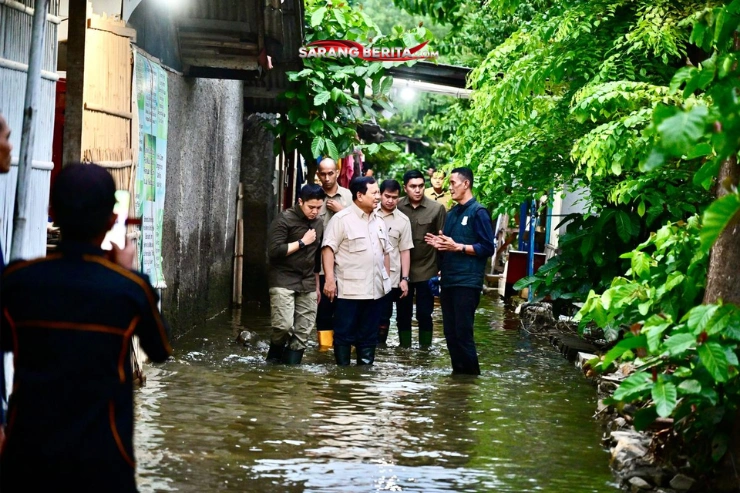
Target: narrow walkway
pixel 219 418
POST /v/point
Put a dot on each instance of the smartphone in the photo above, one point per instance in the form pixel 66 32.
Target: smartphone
pixel 117 235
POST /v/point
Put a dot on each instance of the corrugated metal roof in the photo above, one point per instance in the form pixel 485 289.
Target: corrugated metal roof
pixel 444 75
pixel 225 38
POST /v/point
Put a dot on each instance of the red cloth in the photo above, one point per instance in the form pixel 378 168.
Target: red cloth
pixel 346 172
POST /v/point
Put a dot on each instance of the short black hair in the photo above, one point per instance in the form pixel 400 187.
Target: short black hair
pixel 312 192
pixel 440 172
pixel 465 172
pixel 411 174
pixel 82 201
pixel 359 185
pixel 390 185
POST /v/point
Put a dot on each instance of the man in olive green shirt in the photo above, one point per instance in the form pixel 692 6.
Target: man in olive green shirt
pixel 437 192
pixel 295 260
pixel 426 216
pixel 337 198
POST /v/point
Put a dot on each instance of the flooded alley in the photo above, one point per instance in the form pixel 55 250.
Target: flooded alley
pixel 218 418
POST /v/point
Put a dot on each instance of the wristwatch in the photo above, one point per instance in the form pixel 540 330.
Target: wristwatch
pixel 301 245
pixel 406 278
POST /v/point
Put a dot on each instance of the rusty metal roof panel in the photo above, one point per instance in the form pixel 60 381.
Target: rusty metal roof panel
pixel 232 39
pixel 226 10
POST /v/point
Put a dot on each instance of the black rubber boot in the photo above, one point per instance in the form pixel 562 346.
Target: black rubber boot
pixel 404 338
pixel 342 354
pixel 425 339
pixel 365 355
pixel 292 356
pixel 382 334
pixel 275 354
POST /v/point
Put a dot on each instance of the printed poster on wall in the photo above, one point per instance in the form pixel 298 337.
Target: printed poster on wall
pixel 152 102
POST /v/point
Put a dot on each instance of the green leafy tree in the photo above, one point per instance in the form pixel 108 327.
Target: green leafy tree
pixel 331 96
pixel 688 351
pixel 571 94
pixel 386 15
pixel 612 93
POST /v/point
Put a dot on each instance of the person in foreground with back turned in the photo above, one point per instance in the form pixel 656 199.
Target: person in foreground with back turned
pixel 295 262
pixel 69 319
pixel 357 266
pixel 465 245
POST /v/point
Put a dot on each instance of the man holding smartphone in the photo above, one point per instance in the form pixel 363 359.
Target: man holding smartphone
pixel 69 319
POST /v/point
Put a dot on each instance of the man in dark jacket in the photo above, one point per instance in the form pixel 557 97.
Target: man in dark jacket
pixel 69 319
pixel 465 245
pixel 295 263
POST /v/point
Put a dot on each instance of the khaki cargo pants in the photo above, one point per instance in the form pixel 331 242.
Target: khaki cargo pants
pixel 293 316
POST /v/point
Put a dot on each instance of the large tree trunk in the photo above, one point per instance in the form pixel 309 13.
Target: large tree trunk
pixel 723 283
pixel 723 278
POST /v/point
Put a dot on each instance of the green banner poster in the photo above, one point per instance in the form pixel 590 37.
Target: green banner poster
pixel 152 101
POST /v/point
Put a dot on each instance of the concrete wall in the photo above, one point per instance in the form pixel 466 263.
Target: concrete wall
pixel 203 172
pixel 260 204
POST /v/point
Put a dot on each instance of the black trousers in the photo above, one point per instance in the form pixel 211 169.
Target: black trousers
pixel 356 322
pixel 325 310
pixel 458 315
pixel 424 307
pixel 386 311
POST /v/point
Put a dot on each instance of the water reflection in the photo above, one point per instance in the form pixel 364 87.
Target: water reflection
pixel 219 418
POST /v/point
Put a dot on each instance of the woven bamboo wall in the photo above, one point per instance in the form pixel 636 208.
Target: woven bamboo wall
pixel 15 44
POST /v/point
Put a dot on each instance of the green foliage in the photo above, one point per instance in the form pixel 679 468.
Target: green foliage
pixel 590 91
pixel 689 351
pixel 591 251
pixel 589 258
pixel 571 92
pixel 331 96
pixel 594 92
pixel 665 278
pixel 386 16
pixel 395 165
pixel 416 120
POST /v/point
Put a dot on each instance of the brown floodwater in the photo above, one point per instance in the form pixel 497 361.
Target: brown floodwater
pixel 218 418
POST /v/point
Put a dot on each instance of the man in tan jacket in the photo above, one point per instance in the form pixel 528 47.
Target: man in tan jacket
pixel 357 266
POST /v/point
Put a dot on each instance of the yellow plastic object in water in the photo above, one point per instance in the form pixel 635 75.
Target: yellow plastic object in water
pixel 326 339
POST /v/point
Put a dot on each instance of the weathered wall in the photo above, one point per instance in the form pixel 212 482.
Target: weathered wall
pixel 156 32
pixel 203 171
pixel 260 204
